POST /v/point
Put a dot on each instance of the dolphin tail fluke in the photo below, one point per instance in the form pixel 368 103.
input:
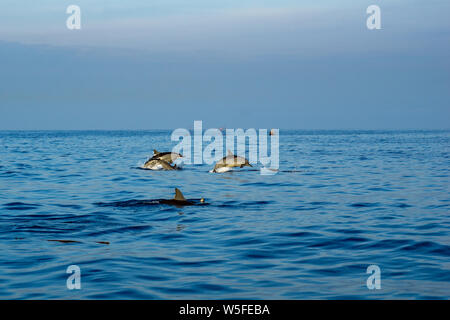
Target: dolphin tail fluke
pixel 178 195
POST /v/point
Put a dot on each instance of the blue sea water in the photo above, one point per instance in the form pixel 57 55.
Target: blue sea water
pixel 343 200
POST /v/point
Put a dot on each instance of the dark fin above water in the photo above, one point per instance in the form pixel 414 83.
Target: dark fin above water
pixel 178 195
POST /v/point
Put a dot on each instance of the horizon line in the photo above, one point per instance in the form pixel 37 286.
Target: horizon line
pixel 191 129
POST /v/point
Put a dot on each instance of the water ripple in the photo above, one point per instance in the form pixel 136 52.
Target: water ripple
pixel 342 200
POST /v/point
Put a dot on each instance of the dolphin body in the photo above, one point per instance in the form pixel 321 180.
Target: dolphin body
pixel 158 164
pixel 178 200
pixel 229 162
pixel 166 156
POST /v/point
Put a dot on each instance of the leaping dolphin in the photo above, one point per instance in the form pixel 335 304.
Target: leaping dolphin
pixel 229 162
pixel 158 164
pixel 166 156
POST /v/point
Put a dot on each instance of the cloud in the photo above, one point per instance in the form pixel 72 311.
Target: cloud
pixel 254 31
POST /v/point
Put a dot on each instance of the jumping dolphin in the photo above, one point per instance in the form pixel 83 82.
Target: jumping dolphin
pixel 158 164
pixel 178 200
pixel 229 162
pixel 166 156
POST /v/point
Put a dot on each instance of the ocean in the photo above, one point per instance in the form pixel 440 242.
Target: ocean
pixel 342 201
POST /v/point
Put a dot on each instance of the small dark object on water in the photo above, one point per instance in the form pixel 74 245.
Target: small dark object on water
pixel 65 241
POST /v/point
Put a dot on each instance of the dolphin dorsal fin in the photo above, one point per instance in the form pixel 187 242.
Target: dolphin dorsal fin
pixel 155 152
pixel 229 153
pixel 178 195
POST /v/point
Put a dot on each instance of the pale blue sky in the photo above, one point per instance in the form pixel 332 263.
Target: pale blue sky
pixel 163 64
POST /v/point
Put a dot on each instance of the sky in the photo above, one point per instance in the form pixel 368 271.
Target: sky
pixel 161 64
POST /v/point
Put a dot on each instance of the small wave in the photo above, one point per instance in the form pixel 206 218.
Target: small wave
pixel 426 247
pixel 379 189
pixel 428 226
pixel 307 208
pixel 199 263
pixel 71 206
pixel 299 234
pixel 20 206
pixel 348 242
pixel 401 205
pixel 437 206
pixel 128 229
pixel 128 203
pixel 72 175
pixel 242 204
pixel 9 173
pixel 364 204
pixel 317 186
pixel 260 254
pixel 321 203
pixel 243 241
pixel 275 185
pixel 23 166
pixel 347 231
